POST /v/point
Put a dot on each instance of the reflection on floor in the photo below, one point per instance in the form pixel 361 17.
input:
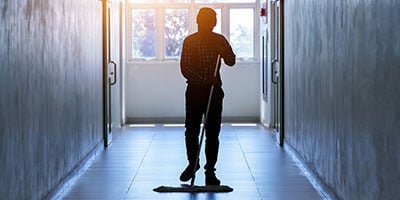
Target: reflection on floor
pixel 142 158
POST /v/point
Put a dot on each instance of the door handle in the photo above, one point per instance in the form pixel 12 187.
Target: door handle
pixel 273 71
pixel 114 73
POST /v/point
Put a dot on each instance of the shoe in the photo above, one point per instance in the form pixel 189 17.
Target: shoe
pixel 187 174
pixel 211 179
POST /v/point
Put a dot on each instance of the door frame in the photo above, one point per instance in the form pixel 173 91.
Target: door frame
pixel 109 71
pixel 277 89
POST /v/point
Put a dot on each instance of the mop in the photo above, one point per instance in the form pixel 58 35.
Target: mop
pixel 192 188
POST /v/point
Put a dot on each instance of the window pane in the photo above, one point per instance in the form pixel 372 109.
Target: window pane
pixel 143 33
pixel 242 32
pixel 176 1
pixel 153 1
pixel 225 1
pixel 217 28
pixel 176 29
pixel 142 1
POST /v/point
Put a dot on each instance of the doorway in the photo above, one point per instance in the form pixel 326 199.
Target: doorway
pixel 112 110
pixel 277 68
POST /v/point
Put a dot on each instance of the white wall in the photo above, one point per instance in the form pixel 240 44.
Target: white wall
pixel 155 90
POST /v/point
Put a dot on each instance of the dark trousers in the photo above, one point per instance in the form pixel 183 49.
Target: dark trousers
pixel 196 105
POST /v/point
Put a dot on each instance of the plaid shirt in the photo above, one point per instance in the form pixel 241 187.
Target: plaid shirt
pixel 199 56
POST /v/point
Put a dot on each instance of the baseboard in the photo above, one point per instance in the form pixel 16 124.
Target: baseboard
pixel 74 174
pixel 123 121
pixel 241 119
pixel 265 123
pixel 325 191
pixel 156 120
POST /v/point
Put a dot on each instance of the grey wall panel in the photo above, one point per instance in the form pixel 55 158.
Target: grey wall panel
pixel 342 113
pixel 51 92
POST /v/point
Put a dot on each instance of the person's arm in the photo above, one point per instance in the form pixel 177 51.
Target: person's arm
pixel 227 53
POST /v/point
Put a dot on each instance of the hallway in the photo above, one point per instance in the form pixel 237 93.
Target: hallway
pixel 142 158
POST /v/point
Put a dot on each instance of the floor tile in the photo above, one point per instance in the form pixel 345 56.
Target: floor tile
pixel 141 159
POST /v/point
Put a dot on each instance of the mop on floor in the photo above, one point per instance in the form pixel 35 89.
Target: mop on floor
pixel 192 188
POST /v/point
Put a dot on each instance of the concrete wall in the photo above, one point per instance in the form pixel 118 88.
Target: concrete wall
pixel 51 92
pixel 342 113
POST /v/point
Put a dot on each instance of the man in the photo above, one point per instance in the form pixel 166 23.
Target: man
pixel 199 58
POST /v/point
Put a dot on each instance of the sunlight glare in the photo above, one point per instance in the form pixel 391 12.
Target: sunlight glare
pixel 142 125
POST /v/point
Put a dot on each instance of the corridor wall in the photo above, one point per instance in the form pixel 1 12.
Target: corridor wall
pixel 342 113
pixel 51 92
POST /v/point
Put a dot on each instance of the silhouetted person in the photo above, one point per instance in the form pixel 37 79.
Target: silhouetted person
pixel 199 57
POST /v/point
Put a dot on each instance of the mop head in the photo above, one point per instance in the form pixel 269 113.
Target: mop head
pixel 195 189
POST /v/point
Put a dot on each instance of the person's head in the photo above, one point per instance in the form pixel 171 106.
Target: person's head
pixel 206 18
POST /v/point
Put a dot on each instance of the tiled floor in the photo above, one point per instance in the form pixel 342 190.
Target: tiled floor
pixel 143 158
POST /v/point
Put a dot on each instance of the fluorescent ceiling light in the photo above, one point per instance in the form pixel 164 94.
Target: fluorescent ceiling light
pixel 142 125
pixel 173 125
pixel 244 124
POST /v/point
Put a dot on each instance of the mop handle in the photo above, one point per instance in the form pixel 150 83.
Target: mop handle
pixel 204 123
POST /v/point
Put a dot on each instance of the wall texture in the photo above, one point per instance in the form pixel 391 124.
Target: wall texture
pixel 51 92
pixel 342 113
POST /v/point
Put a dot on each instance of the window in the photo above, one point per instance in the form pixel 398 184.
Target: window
pixel 175 1
pixel 143 33
pixel 142 1
pixel 157 28
pixel 154 1
pixel 176 29
pixel 196 1
pixel 242 32
pixel 225 1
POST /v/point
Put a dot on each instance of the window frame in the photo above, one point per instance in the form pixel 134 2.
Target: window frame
pixel 192 12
